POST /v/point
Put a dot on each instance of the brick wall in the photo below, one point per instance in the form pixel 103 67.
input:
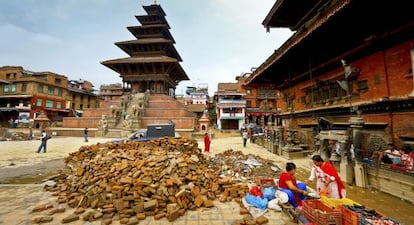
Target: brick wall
pixel 180 123
pixel 80 122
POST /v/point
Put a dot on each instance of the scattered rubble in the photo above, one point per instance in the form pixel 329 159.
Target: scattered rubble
pixel 10 135
pixel 162 178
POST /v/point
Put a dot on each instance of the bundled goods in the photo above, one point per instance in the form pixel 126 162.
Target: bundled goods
pixel 335 203
pixel 381 221
pixel 356 214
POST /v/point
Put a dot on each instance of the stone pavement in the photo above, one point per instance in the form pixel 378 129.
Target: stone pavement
pixel 18 200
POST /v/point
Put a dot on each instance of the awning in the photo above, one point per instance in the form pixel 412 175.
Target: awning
pixel 259 114
pixel 232 118
pixel 56 110
pixel 8 109
pixel 16 96
pixel 4 81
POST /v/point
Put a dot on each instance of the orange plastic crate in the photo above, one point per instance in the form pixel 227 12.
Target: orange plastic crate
pixel 349 217
pixel 319 213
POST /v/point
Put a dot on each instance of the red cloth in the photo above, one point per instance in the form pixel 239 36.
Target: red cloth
pixel 206 143
pixel 255 190
pixel 329 169
pixel 285 176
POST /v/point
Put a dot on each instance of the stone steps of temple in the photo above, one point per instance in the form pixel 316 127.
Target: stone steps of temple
pixel 167 112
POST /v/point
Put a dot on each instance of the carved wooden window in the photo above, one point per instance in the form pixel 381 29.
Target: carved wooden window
pixel 362 86
pixel 265 92
pixel 248 103
pixel 303 100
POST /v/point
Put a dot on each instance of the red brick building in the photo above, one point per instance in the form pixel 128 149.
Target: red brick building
pixel 346 58
pixel 262 102
pixel 24 95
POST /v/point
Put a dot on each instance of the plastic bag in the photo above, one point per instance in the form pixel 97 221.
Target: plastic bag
pixel 255 212
pixel 282 196
pixel 255 190
pixel 269 193
pixel 256 201
pixel 274 204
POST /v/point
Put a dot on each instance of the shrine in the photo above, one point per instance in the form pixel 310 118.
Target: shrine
pixel 153 62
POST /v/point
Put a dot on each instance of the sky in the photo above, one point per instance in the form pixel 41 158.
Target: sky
pixel 217 39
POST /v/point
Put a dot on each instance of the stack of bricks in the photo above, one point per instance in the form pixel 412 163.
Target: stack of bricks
pixel 162 178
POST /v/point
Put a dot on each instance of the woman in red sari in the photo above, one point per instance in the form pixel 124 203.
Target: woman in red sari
pixel 287 183
pixel 206 142
pixel 328 179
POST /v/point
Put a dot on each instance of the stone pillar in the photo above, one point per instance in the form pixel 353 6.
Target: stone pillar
pixel 324 149
pixel 279 139
pixel 346 166
pixel 269 140
pixel 357 123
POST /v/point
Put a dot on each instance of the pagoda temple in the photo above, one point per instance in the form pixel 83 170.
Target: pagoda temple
pixel 153 62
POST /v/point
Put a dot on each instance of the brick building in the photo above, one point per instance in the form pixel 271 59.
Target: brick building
pixel 345 79
pixel 24 95
pixel 261 102
pixel 230 106
pixel 345 59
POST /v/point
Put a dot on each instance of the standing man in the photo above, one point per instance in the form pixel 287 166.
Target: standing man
pixel 245 136
pixel 30 136
pixel 207 142
pixel 43 141
pixel 85 134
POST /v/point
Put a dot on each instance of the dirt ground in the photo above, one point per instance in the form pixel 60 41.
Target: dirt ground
pixel 19 158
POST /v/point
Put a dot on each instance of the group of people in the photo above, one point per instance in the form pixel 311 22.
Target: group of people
pixel 328 182
pixel 392 156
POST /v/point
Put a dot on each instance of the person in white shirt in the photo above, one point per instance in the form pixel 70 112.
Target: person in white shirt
pixel 43 139
pixel 245 136
pixel 391 153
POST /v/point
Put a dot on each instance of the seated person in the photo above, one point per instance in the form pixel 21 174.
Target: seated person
pixel 406 157
pixel 410 161
pixel 287 183
pixel 391 155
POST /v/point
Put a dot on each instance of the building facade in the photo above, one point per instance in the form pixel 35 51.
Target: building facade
pixel 25 95
pixel 230 107
pixel 345 79
pixel 81 95
pixel 333 68
pixel 261 102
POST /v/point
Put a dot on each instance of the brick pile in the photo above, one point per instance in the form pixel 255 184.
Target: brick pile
pixel 130 181
pixel 10 135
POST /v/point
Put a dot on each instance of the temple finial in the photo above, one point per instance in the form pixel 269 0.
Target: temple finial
pixel 155 2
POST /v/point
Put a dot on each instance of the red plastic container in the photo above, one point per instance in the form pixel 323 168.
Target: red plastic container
pixel 349 217
pixel 319 213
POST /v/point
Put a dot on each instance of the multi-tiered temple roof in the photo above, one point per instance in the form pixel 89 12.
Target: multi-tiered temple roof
pixel 153 62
